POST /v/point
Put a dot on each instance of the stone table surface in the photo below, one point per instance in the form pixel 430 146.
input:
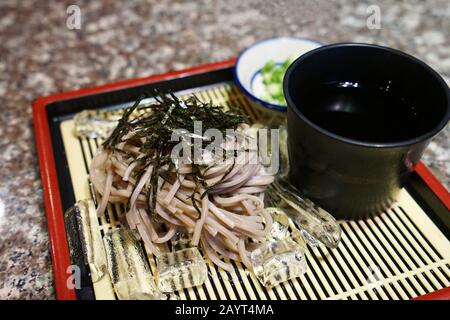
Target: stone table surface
pixel 40 54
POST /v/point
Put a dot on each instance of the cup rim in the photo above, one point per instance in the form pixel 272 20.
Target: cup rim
pixel 436 129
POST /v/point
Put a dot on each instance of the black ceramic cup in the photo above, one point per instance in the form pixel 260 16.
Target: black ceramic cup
pixel 359 118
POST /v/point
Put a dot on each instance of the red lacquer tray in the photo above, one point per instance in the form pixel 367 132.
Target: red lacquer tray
pixel 332 278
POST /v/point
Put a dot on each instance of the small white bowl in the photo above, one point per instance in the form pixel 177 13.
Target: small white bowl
pixel 248 67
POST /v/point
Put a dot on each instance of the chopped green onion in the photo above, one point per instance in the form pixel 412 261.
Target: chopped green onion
pixel 272 77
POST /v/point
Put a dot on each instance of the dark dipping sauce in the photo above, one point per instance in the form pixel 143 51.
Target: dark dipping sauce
pixel 364 112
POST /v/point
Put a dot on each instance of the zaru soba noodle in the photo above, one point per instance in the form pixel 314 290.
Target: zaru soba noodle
pixel 220 204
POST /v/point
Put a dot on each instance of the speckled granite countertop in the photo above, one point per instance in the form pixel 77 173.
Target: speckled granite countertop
pixel 39 55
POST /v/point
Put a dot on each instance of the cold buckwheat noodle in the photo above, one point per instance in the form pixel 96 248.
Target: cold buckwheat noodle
pixel 227 218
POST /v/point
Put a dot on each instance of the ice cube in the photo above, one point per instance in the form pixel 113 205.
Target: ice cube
pixel 128 267
pixel 316 224
pixel 277 261
pixel 181 269
pixel 84 231
pixel 94 124
pixel 281 257
pixel 280 224
pixel 181 240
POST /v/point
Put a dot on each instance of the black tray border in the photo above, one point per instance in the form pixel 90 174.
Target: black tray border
pixel 61 110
